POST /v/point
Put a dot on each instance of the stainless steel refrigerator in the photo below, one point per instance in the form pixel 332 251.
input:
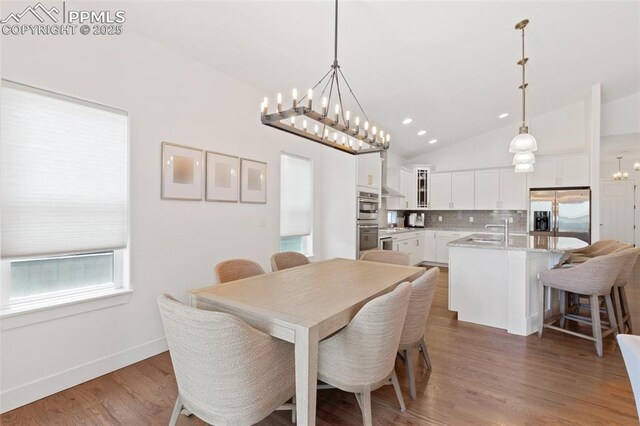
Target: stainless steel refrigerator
pixel 560 212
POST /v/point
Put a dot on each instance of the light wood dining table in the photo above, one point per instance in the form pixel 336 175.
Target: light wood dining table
pixel 303 305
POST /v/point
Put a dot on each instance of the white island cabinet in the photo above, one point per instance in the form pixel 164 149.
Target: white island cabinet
pixel 494 284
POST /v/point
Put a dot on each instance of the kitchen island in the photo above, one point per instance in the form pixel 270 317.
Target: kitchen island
pixel 495 283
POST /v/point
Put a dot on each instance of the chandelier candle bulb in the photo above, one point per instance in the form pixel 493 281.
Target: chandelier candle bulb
pixel 344 140
pixel 325 104
pixel 294 97
pixel 335 136
pixel 326 133
pixel 337 112
pixel 304 125
pixel 315 129
pixel 310 97
pixel 357 125
pixel 347 116
pixel 265 106
pixel 279 102
pixel 293 121
pixel 636 166
pixel 373 133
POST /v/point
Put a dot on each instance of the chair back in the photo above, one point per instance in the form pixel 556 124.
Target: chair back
pixel 630 257
pixel 594 277
pixel 227 371
pixel 611 248
pixel 630 347
pixel 364 352
pixel 236 269
pixel 422 292
pixel 593 247
pixel 288 259
pixel 387 256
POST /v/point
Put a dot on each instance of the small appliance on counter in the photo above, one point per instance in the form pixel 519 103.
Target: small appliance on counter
pixel 415 220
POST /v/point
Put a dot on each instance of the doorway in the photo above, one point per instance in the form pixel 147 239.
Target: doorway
pixel 617 211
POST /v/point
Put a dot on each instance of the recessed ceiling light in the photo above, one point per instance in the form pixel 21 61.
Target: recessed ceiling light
pixel 432 141
pixel 422 132
pixel 503 115
pixel 407 120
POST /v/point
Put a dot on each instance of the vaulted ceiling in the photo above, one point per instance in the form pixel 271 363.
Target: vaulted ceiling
pixel 449 65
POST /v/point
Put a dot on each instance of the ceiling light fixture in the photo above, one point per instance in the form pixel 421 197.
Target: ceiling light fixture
pixel 422 132
pixel 636 166
pixel 407 120
pixel 358 139
pixel 432 141
pixel 524 141
pixel 524 168
pixel 503 115
pixel 620 175
pixel 524 157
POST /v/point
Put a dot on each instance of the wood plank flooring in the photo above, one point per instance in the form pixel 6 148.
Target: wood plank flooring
pixel 480 376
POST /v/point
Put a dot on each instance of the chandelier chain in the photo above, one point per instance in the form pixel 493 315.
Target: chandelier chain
pixel 354 95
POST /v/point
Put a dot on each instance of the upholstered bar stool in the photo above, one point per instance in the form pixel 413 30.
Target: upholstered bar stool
pixel 602 251
pixel 621 306
pixel 593 278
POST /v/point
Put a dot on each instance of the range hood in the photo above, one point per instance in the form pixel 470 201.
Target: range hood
pixel 387 192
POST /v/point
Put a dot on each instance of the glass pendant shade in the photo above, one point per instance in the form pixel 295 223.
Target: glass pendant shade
pixel 523 142
pixel 524 157
pixel 524 168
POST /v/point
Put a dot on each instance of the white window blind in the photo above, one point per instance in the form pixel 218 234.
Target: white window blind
pixel 295 196
pixel 63 181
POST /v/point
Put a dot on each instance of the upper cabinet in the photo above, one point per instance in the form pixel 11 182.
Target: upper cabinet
pixel 369 171
pixel 488 189
pixel 565 170
pixel 453 191
pixel 500 189
pixel 406 188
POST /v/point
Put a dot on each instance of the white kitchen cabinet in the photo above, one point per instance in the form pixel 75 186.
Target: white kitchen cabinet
pixel 406 188
pixel 558 171
pixel 513 190
pixel 412 244
pixel 440 191
pixel 393 181
pixel 369 171
pixel 462 190
pixel 442 239
pixel 488 189
pixel 429 246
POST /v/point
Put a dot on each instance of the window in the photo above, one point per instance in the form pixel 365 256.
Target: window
pixel 63 184
pixel 296 216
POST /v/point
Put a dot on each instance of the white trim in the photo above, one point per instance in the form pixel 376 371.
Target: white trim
pixel 31 313
pixel 40 388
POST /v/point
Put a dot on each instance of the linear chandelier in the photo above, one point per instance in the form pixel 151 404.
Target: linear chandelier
pixel 337 131
pixel 620 175
pixel 524 144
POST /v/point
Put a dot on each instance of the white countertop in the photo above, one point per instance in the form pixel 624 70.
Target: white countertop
pixel 519 242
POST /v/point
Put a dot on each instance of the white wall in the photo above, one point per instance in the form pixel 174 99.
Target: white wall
pixel 559 131
pixel 621 116
pixel 174 245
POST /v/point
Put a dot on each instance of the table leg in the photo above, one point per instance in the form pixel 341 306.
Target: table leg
pixel 306 348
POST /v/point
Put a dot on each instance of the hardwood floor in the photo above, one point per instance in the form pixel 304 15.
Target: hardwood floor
pixel 480 376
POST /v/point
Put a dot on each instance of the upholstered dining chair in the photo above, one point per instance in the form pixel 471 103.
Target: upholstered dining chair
pixel 630 348
pixel 228 373
pixel 593 278
pixel 288 259
pixel 236 269
pixel 387 256
pixel 422 292
pixel 361 357
pixel 623 315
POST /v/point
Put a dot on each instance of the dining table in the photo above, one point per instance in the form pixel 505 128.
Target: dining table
pixel 303 305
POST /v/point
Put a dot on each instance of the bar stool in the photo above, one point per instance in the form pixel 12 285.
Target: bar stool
pixel 593 278
pixel 623 316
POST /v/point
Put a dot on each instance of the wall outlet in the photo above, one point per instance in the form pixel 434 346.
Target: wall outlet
pixel 439 218
pixel 470 218
pixel 510 220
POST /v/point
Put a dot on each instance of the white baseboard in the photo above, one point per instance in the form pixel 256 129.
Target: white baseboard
pixel 37 389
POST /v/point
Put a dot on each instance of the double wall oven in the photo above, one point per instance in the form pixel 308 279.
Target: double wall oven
pixel 368 204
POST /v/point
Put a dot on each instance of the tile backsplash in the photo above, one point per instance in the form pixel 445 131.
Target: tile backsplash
pixel 459 219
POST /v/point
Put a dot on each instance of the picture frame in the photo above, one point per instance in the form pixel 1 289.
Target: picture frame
pixel 222 177
pixel 253 181
pixel 182 172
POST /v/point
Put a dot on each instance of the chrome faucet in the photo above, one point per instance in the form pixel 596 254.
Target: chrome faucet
pixel 506 229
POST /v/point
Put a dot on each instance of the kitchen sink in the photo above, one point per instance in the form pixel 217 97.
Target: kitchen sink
pixel 486 240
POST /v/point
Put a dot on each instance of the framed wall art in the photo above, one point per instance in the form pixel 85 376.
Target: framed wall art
pixel 182 171
pixel 223 173
pixel 253 181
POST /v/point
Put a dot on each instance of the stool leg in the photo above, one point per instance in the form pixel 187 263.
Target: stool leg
pixel 625 310
pixel 540 309
pixel 618 307
pixel 563 307
pixel 613 324
pixel 595 322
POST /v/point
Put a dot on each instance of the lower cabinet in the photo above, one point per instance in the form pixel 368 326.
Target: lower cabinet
pixel 442 239
pixel 411 243
pixel 430 246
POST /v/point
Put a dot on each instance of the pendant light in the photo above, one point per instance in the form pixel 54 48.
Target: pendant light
pixel 524 144
pixel 620 175
pixel 636 166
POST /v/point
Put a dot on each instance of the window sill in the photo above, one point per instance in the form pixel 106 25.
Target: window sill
pixel 34 312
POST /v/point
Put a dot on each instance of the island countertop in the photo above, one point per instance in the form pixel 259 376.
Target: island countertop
pixel 519 242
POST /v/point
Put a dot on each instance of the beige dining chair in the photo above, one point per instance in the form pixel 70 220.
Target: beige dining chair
pixel 361 357
pixel 630 348
pixel 236 269
pixel 423 290
pixel 387 256
pixel 621 305
pixel 228 373
pixel 288 259
pixel 593 278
